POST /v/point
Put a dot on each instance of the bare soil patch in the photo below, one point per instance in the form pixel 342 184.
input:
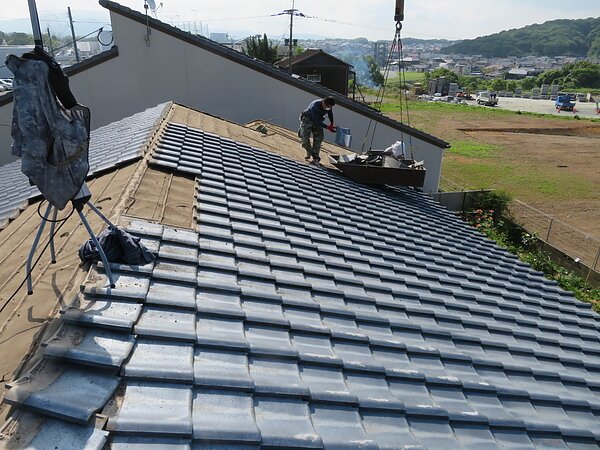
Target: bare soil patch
pixel 552 164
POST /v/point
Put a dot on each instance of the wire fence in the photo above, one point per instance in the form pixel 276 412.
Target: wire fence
pixel 575 243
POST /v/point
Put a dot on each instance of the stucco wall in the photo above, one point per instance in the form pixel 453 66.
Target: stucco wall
pixel 171 69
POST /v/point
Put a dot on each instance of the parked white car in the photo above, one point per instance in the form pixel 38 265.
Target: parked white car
pixel 6 83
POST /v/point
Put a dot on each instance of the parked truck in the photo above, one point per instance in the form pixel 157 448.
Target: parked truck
pixel 564 103
pixel 487 98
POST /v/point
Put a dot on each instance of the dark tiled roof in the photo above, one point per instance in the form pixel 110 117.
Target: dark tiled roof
pixel 307 311
pixel 271 71
pixel 110 146
pixel 284 63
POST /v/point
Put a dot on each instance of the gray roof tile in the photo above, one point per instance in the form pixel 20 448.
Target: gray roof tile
pixel 72 394
pixel 287 334
pixel 144 443
pixel 94 347
pixel 224 416
pixel 154 409
pixel 102 312
pixel 160 360
pixel 166 323
pixel 285 423
pixel 33 432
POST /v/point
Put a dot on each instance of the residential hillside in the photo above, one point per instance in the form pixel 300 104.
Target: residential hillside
pixel 554 38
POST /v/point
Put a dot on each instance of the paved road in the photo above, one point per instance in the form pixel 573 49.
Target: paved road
pixel 543 106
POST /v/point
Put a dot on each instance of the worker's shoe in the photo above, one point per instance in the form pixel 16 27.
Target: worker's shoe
pixel 315 162
pixel 308 155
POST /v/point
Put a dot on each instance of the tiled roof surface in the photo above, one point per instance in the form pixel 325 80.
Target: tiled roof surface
pixel 111 145
pixel 307 311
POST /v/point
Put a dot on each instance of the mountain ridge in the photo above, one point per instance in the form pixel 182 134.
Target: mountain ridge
pixel 560 37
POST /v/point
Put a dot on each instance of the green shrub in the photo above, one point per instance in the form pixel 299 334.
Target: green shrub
pixel 491 217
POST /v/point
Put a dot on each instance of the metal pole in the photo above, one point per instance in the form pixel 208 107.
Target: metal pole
pixel 593 265
pixel 50 46
pixel 33 248
pixel 52 226
pixel 291 33
pixel 73 35
pixel 35 24
pixel 99 248
pixel 102 216
pixel 549 229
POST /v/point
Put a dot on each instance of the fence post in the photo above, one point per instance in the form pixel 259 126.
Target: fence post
pixel 549 229
pixel 593 265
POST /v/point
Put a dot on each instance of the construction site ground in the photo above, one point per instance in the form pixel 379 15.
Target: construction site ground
pixel 550 163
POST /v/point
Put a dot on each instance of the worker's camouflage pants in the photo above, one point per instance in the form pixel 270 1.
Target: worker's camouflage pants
pixel 306 129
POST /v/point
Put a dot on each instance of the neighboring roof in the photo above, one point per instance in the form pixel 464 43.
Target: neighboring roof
pixel 110 146
pixel 269 70
pixel 308 54
pixel 308 311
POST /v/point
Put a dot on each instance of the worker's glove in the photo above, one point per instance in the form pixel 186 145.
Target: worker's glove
pixel 331 128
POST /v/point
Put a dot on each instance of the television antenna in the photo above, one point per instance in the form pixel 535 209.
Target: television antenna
pixel 151 5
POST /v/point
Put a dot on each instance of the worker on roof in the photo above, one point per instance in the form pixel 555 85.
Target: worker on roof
pixel 312 122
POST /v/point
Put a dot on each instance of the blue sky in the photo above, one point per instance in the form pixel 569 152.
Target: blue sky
pixel 456 19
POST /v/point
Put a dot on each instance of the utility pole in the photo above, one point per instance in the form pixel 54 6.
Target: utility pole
pixel 291 12
pixel 73 35
pixel 50 46
pixel 35 24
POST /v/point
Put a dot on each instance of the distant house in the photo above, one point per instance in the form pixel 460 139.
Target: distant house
pixel 518 73
pixel 320 67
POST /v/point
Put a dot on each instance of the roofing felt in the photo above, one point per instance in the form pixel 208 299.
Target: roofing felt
pixel 307 311
pixel 271 71
pixel 110 146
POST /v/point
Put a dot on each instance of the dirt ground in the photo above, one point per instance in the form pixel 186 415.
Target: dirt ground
pixel 566 152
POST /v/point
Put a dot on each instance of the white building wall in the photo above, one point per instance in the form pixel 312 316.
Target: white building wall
pixel 142 76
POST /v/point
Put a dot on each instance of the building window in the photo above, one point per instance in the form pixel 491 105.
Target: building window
pixel 315 78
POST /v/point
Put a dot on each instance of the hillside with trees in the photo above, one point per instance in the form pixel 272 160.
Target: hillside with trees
pixel 582 75
pixel 562 37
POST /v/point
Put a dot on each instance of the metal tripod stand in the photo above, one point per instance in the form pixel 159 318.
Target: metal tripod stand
pixel 79 201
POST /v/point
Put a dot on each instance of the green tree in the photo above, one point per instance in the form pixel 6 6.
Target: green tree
pixel 572 76
pixel 528 83
pixel 374 72
pixel 511 85
pixel 442 72
pixel 261 49
pixel 16 38
pixel 498 85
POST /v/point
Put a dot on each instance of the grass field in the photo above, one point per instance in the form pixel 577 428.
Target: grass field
pixel 411 77
pixel 527 155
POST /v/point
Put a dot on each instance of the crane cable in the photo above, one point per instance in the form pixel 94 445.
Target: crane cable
pixel 395 47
